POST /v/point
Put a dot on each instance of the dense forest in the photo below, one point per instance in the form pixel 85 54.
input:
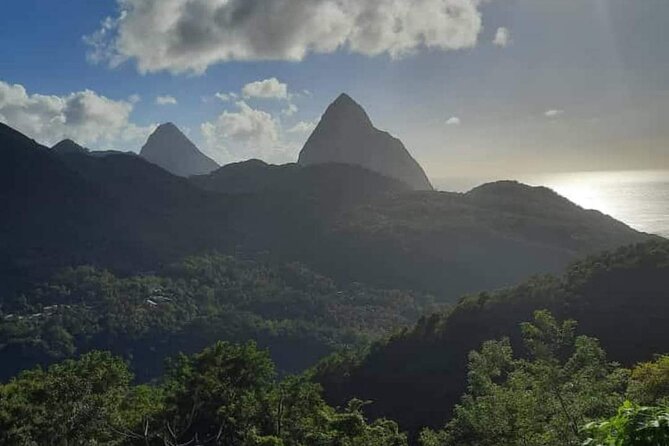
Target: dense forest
pixel 300 315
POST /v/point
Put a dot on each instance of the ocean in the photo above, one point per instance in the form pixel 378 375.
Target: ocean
pixel 638 198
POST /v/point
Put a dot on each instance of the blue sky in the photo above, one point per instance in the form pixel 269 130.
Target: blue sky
pixel 566 85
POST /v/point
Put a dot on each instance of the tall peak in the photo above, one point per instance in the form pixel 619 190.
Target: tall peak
pixel 346 110
pixel 346 135
pixel 170 149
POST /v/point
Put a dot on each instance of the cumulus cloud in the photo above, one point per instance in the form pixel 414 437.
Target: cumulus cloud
pixel 502 37
pixel 553 113
pixel 189 36
pixel 243 134
pixel 266 89
pixel 304 127
pixel 166 100
pixel 454 120
pixel 84 116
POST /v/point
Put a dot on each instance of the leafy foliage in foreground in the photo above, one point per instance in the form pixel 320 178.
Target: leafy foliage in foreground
pixel 299 314
pixel 633 425
pixel 225 395
pixel 542 400
pixel 564 393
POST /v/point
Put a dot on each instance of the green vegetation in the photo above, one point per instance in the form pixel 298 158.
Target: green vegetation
pixel 564 392
pixel 620 298
pixel 544 399
pixel 225 395
pixel 633 425
pixel 299 314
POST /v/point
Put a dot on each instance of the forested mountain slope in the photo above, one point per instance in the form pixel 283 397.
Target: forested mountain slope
pixel 620 297
pixel 300 315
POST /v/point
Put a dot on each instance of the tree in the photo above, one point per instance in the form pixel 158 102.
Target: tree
pixel 217 396
pixel 649 382
pixel 70 403
pixel 542 400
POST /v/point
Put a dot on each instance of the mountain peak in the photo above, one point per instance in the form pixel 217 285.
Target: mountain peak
pixel 347 135
pixel 170 149
pixel 347 111
pixel 68 146
pixel 167 126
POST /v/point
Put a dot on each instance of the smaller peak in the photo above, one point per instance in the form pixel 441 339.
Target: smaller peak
pixel 512 188
pixel 69 146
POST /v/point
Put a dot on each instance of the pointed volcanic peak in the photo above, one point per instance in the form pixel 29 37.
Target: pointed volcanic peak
pixel 170 149
pixel 346 134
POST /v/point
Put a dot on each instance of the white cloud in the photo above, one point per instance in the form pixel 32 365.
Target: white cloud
pixel 84 116
pixel 304 127
pixel 166 100
pixel 502 37
pixel 266 89
pixel 290 110
pixel 553 113
pixel 226 97
pixel 134 98
pixel 454 120
pixel 246 133
pixel 189 36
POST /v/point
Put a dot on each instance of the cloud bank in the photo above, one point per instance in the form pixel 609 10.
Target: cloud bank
pixel 190 35
pixel 84 116
pixel 243 134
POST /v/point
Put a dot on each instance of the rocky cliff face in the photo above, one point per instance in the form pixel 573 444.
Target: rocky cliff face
pixel 345 134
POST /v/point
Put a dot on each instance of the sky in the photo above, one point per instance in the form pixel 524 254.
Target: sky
pixel 487 88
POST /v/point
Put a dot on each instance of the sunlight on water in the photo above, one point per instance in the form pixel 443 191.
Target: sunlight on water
pixel 638 198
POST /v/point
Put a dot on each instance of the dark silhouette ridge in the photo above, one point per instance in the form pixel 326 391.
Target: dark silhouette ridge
pixel 346 134
pixel 170 149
